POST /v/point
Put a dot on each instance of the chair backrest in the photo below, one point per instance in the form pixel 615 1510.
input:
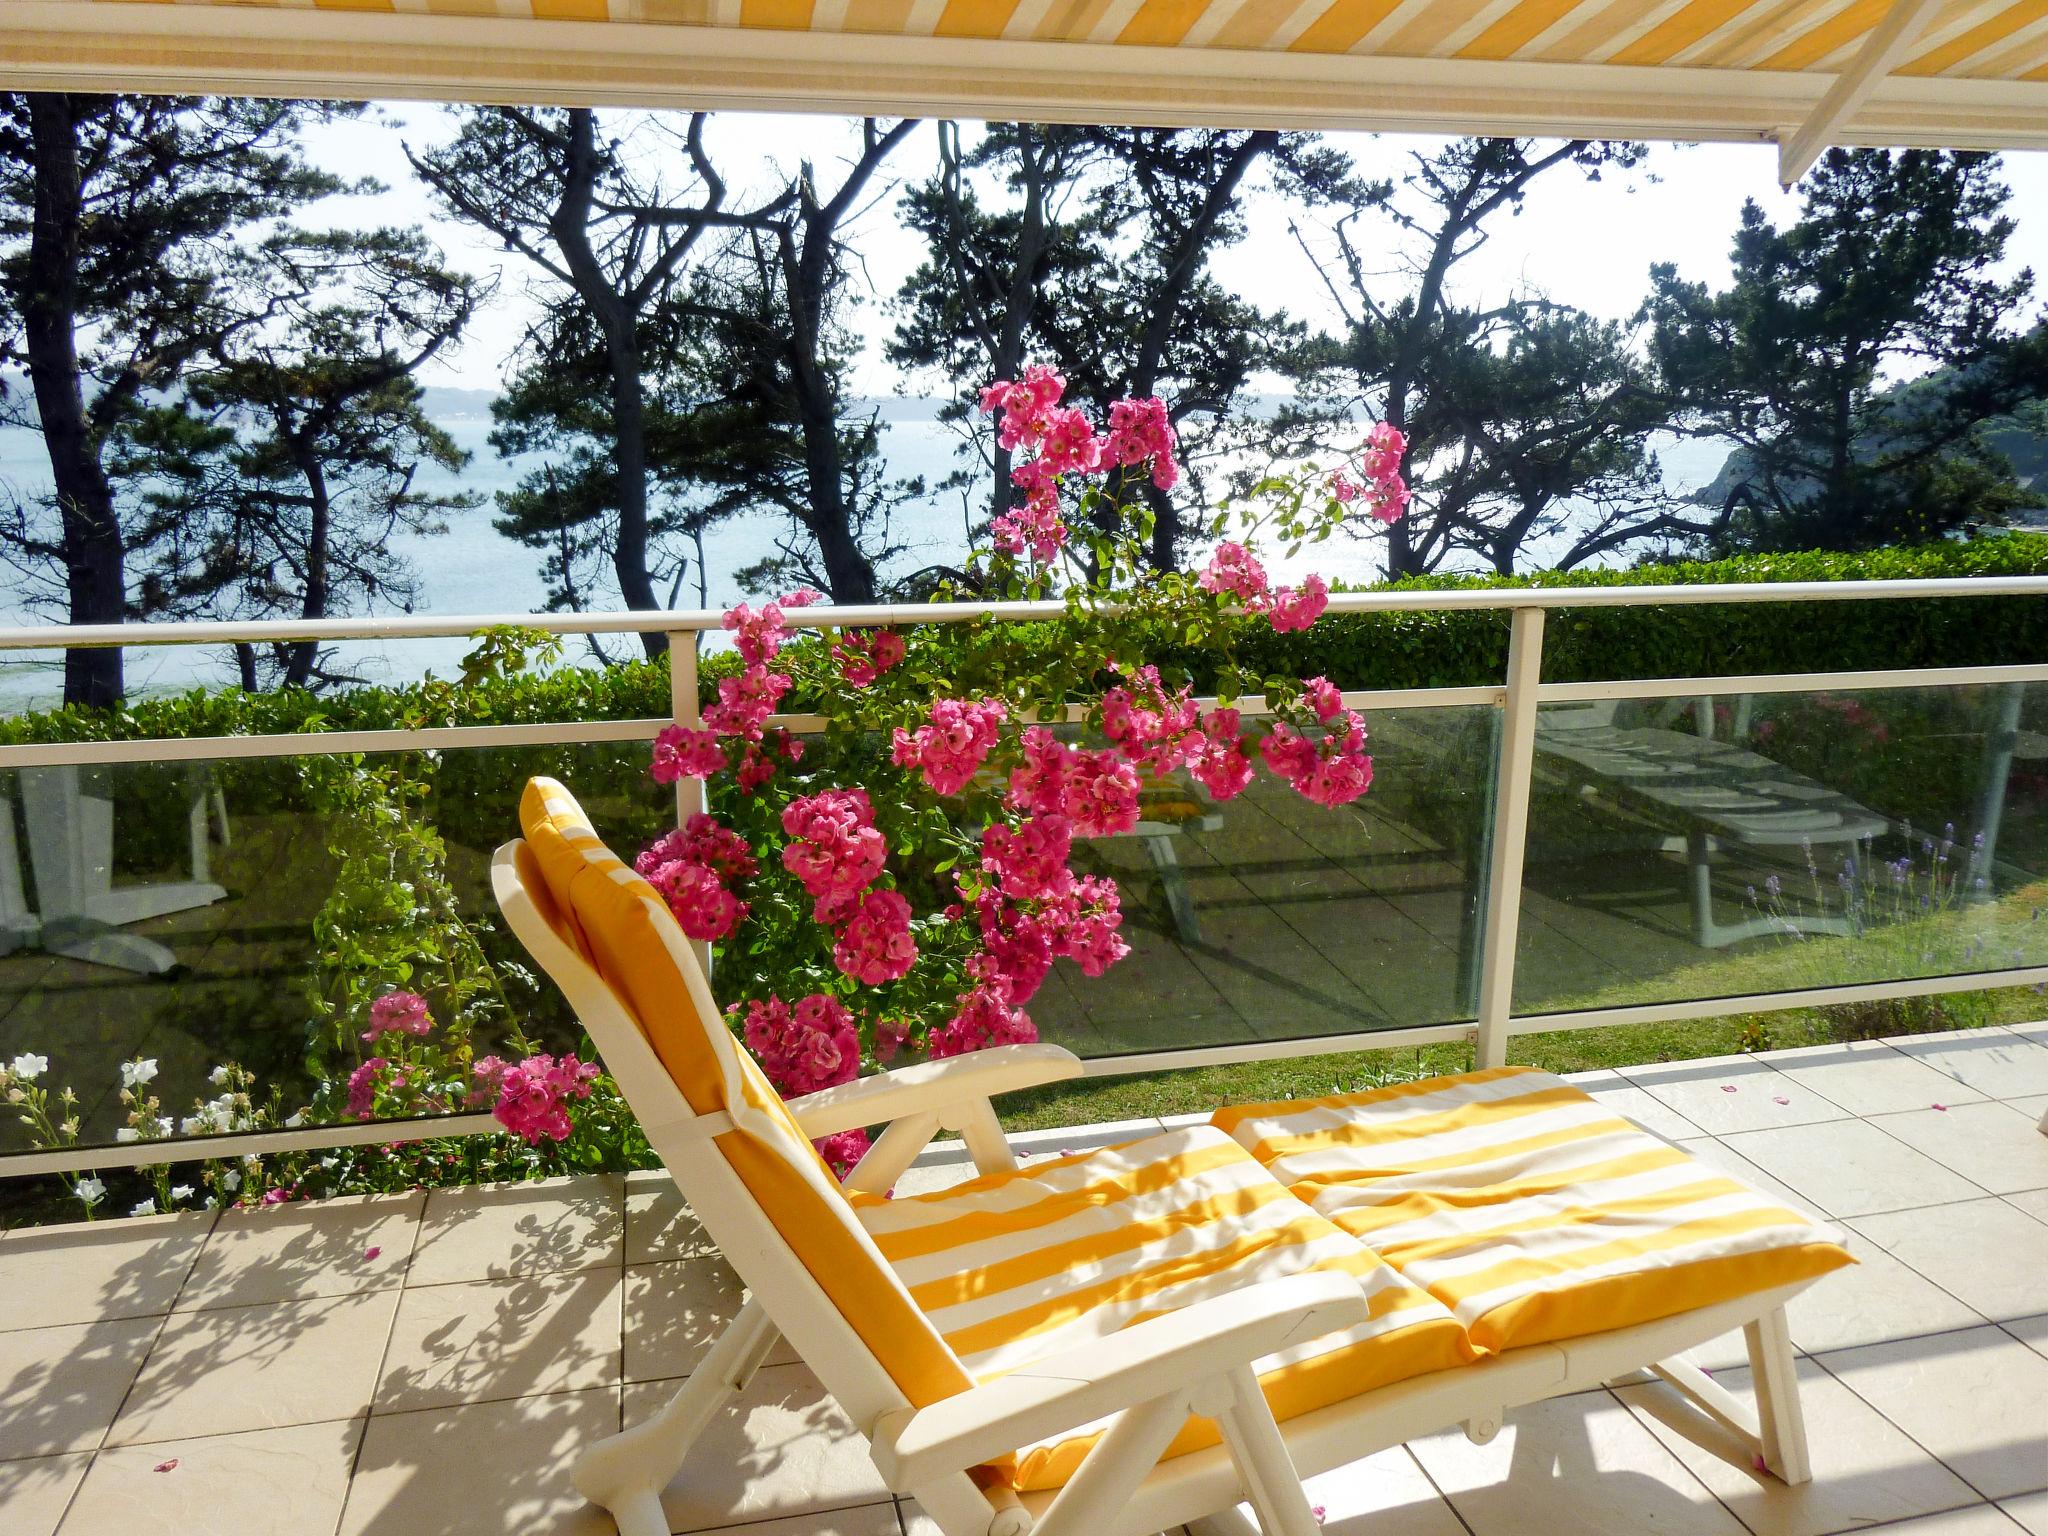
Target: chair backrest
pixel 609 941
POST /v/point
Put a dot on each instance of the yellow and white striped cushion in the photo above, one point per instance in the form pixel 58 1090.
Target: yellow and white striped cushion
pixel 1529 1209
pixel 1016 1266
pixel 622 925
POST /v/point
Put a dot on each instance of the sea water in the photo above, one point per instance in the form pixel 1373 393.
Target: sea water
pixel 474 569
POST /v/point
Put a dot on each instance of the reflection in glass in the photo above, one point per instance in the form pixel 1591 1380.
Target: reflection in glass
pixel 1714 846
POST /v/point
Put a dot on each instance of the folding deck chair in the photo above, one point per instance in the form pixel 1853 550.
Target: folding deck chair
pixel 1139 1337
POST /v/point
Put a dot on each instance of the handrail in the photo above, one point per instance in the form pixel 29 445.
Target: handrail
pixel 828 616
pixel 1516 698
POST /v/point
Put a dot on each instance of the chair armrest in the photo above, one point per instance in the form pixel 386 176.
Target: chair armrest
pixel 931 1085
pixel 1175 1351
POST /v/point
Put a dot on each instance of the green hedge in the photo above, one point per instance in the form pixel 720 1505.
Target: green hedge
pixel 1416 650
pixel 1394 650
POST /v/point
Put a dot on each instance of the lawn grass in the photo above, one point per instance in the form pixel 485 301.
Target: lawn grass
pixel 1194 1090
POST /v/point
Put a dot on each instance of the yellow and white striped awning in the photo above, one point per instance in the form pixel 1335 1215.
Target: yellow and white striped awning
pixel 1961 73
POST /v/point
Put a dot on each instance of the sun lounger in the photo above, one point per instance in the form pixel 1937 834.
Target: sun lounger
pixel 1142 1336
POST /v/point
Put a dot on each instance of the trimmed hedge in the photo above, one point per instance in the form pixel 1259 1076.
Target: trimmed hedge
pixel 1394 650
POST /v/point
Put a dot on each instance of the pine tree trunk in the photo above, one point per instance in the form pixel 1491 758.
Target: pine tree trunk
pixel 93 554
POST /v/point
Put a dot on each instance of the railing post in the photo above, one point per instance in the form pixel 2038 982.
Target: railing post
pixel 683 709
pixel 1510 835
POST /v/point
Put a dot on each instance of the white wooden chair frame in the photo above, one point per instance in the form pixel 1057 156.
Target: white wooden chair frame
pixel 1151 1377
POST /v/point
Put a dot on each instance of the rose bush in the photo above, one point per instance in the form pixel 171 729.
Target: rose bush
pixel 922 908
pixel 905 889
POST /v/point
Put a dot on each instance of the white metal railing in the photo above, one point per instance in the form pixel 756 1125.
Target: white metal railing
pixel 1518 697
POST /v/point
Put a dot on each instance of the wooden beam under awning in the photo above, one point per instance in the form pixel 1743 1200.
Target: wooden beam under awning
pixel 416 55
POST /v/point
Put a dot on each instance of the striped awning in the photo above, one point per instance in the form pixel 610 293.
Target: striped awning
pixel 1963 73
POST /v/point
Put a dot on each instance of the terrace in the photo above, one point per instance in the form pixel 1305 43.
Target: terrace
pixel 1540 858
pixel 430 1364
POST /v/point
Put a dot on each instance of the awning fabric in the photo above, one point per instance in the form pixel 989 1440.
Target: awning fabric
pixel 1963 73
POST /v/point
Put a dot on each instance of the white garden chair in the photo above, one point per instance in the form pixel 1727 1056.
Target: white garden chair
pixel 1256 1342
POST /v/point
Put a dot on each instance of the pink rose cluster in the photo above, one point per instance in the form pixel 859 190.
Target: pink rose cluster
pixel 744 704
pixel 1029 904
pixel 362 1088
pixel 694 869
pixel 951 750
pixel 532 1096
pixel 865 654
pixel 838 854
pixel 1385 492
pixel 1331 770
pixel 401 1013
pixel 1097 791
pixel 1062 441
pixel 1234 571
pixel 802 1049
pixel 1162 732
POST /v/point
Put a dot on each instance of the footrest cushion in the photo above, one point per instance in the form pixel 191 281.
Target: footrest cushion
pixel 1529 1209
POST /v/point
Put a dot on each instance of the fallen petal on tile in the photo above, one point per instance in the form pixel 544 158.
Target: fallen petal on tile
pixel 167 1466
pixel 1942 1107
pixel 371 1253
pixel 1727 1087
pixel 1779 1098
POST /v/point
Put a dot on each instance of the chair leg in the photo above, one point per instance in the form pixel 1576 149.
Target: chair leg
pixel 626 1472
pixel 1225 1522
pixel 1780 1420
pixel 1270 1479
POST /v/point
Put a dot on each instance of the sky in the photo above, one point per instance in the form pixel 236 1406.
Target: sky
pixel 1586 244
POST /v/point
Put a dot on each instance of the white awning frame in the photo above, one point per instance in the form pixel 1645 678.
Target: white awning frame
pixel 246 50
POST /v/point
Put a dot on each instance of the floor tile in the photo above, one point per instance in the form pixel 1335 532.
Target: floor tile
pixel 1851 1168
pixel 867 1520
pixel 267 1482
pixel 929 1181
pixel 2033 1107
pixel 1719 1154
pixel 1732 1094
pixel 299 1251
pixel 1580 1463
pixel 501 1231
pixel 1383 1495
pixel 1991 1144
pixel 1995 1062
pixel 2029 1512
pixel 1080 1138
pixel 659 1222
pixel 34 1493
pixel 783 1449
pixel 502 1338
pixel 61 1387
pixel 1638 1104
pixel 1983 1520
pixel 676 1311
pixel 89 1271
pixel 1983 1252
pixel 481 1469
pixel 1868 1077
pixel 1874 1299
pixel 231 1369
pixel 2034 1202
pixel 1978 1399
pixel 2030 1331
pixel 1865 1470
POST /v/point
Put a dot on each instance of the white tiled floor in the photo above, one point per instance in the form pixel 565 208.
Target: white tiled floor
pixel 412 1366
